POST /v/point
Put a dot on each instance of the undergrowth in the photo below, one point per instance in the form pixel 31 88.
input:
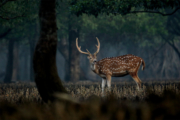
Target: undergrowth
pixel 154 101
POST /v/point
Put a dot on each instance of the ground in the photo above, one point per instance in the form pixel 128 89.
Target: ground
pixel 156 100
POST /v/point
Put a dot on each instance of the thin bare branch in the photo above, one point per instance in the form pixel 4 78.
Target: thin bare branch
pixel 154 55
pixel 172 45
pixel 9 18
pixel 5 33
pixel 175 48
pixel 163 14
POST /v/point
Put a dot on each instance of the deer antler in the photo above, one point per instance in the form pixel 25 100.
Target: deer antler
pixel 79 48
pixel 98 46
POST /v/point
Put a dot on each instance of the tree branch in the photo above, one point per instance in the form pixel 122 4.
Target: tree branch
pixel 155 53
pixel 9 18
pixel 174 25
pixel 163 14
pixel 175 48
pixel 5 33
pixel 172 45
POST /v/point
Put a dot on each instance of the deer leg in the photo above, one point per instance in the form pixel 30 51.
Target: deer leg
pixel 139 81
pixel 108 77
pixel 103 85
pixel 136 79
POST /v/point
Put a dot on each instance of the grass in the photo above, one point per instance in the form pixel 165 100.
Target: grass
pixel 156 100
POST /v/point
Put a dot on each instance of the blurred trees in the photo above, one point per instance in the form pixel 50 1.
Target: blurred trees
pixel 9 66
pixel 69 29
pixel 123 7
pixel 136 34
pixel 14 17
pixel 10 15
pixel 173 27
pixel 147 33
pixel 146 30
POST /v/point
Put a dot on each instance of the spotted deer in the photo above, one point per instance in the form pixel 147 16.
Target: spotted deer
pixel 114 66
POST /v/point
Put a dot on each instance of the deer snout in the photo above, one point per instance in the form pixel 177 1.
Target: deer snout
pixel 95 60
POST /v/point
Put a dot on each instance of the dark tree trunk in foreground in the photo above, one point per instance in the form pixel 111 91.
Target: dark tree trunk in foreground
pixel 44 62
pixel 9 66
pixel 74 56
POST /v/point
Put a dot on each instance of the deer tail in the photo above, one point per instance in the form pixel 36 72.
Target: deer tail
pixel 143 64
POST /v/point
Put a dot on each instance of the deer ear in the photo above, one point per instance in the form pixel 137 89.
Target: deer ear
pixel 87 57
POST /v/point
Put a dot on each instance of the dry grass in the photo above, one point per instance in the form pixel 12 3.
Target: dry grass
pixel 157 100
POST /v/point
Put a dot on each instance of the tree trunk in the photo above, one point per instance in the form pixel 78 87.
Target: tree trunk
pixel 31 59
pixel 32 47
pixel 63 49
pixel 44 62
pixel 9 66
pixel 15 63
pixel 74 56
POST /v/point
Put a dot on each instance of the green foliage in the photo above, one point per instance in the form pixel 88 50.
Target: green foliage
pixel 19 11
pixel 96 7
pixel 144 29
pixel 20 16
pixel 65 20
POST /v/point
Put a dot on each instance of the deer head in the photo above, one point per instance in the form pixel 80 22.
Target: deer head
pixel 92 57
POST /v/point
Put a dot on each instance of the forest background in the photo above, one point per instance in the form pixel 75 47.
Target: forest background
pixel 153 37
